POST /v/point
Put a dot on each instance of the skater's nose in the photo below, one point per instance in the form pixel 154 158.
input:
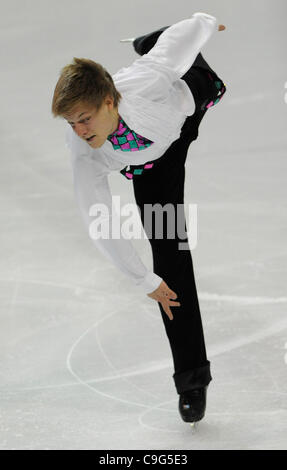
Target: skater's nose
pixel 81 129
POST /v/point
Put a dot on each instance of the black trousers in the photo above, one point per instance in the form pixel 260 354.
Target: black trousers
pixel 164 184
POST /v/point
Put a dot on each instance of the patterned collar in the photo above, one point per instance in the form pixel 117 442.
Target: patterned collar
pixel 127 140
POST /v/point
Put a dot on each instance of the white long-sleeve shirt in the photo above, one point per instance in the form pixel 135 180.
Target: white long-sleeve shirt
pixel 155 103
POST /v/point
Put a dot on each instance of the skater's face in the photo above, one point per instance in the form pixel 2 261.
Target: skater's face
pixel 88 123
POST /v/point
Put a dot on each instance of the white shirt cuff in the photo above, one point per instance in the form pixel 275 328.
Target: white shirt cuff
pixel 151 282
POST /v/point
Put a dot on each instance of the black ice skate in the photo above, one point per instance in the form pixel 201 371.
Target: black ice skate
pixel 192 404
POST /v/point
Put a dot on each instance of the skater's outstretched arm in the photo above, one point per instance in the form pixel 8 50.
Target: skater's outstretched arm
pixel 92 188
pixel 92 193
pixel 178 45
pixel 152 75
pixel 143 44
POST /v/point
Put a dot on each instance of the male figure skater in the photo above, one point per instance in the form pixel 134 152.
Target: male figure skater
pixel 144 117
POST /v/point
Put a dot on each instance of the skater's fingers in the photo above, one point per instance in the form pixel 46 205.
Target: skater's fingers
pixel 168 312
pixel 166 306
pixel 169 293
pixel 164 291
pixel 172 294
pixel 167 298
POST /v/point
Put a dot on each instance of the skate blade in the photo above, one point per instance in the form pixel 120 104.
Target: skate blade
pixel 127 40
pixel 193 426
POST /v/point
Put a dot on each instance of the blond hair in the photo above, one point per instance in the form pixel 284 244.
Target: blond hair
pixel 83 81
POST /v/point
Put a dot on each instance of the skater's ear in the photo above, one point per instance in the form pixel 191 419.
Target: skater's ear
pixel 109 100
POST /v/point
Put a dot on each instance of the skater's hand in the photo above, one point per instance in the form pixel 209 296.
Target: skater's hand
pixel 163 294
pixel 221 27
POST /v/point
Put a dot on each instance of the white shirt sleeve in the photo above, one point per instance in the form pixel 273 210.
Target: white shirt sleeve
pixel 178 45
pixel 155 74
pixel 91 187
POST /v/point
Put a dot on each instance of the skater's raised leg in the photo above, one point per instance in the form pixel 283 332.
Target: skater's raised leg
pixel 206 87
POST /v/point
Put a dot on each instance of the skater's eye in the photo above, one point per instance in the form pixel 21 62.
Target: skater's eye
pixel 84 120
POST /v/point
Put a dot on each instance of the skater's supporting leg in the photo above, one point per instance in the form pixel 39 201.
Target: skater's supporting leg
pixel 175 266
pixel 185 333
